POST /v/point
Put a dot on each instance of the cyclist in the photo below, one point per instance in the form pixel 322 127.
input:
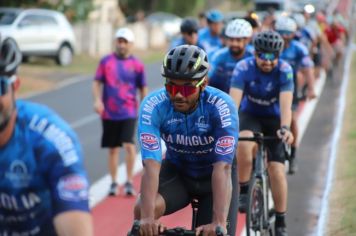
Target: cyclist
pixel 210 36
pixel 297 55
pixel 189 30
pixel 199 126
pixel 224 60
pixel 44 188
pixel 262 87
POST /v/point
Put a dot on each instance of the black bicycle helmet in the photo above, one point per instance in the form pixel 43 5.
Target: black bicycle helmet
pixel 185 62
pixel 189 25
pixel 10 57
pixel 268 41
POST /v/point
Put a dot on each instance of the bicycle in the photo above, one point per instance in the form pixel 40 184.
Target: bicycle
pixel 178 231
pixel 260 211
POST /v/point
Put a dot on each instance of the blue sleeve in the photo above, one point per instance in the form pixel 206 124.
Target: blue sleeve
pixel 213 71
pixel 148 132
pixel 238 75
pixel 227 133
pixel 61 158
pixel 286 77
pixel 305 60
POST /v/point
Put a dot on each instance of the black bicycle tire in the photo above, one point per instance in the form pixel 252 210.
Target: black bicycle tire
pixel 254 182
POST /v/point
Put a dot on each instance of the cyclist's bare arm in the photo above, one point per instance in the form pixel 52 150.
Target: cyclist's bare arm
pixel 285 103
pixel 236 95
pixel 222 188
pixel 149 189
pixel 72 223
pixel 309 77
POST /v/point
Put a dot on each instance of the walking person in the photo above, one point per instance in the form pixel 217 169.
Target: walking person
pixel 117 79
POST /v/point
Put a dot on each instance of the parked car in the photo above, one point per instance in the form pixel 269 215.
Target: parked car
pixel 39 32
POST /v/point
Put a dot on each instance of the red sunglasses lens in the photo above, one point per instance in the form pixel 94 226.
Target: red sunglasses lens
pixel 185 90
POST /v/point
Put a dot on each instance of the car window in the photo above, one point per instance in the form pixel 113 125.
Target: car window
pixel 7 18
pixel 47 20
pixel 38 20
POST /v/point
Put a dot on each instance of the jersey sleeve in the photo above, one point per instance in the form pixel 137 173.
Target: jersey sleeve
pixel 226 129
pixel 148 132
pixel 61 159
pixel 141 76
pixel 286 77
pixel 305 59
pixel 100 71
pixel 213 71
pixel 238 75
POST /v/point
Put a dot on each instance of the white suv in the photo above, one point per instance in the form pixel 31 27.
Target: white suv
pixel 39 32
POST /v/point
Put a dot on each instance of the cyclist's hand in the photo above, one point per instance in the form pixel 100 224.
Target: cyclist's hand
pixel 286 135
pixel 311 93
pixel 150 227
pixel 99 106
pixel 209 229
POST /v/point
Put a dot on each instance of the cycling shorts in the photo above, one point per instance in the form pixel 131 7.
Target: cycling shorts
pixel 268 126
pixel 178 191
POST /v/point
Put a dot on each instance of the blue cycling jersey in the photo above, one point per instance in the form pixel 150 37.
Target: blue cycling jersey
pixel 42 173
pixel 194 141
pixel 209 42
pixel 221 68
pixel 180 41
pixel 297 55
pixel 261 90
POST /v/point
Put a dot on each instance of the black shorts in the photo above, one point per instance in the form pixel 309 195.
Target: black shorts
pixel 268 126
pixel 117 132
pixel 178 191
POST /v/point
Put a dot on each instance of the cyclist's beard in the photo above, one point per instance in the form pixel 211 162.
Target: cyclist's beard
pixel 236 51
pixel 5 116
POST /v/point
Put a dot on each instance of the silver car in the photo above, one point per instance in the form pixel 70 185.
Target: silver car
pixel 39 32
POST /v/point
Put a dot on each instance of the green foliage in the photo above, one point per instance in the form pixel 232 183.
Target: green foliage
pixel 75 10
pixel 181 8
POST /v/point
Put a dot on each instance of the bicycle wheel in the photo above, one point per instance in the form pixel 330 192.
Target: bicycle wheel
pixel 255 209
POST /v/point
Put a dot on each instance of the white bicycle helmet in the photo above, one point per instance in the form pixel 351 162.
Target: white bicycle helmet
pixel 299 19
pixel 238 28
pixel 285 24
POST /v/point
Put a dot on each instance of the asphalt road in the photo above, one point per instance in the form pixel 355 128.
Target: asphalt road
pixel 74 104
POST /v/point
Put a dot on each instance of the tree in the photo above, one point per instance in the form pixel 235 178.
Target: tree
pixel 75 10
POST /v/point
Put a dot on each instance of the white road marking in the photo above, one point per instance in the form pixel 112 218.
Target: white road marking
pixel 321 227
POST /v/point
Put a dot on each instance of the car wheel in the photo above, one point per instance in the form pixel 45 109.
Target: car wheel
pixel 64 55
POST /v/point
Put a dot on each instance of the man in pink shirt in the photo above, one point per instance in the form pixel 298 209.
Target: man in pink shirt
pixel 117 79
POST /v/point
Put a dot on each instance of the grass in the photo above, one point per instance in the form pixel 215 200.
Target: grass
pixel 342 213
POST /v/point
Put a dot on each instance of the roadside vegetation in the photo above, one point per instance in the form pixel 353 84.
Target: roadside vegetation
pixel 342 212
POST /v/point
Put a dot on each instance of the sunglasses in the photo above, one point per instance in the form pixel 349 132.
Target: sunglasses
pixel 5 82
pixel 267 56
pixel 185 90
pixel 285 32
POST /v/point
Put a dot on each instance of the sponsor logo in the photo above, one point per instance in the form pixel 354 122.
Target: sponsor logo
pixel 225 145
pixel 202 126
pixel 269 87
pixel 18 174
pixel 174 120
pixel 73 187
pixel 149 141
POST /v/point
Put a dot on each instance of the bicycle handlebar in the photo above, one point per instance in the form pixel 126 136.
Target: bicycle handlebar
pixel 178 231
